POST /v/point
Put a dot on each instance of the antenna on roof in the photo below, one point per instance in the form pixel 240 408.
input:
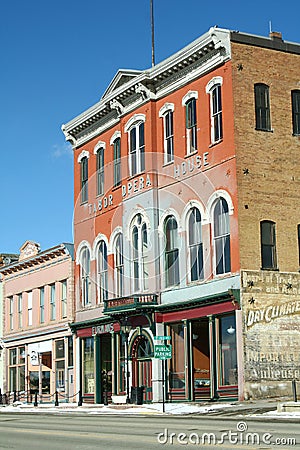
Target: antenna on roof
pixel 152 31
pixel 270 26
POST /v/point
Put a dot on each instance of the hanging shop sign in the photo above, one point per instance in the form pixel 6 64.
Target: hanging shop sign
pixel 102 329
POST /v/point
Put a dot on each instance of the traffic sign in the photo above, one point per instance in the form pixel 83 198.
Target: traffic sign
pixel 163 351
pixel 162 338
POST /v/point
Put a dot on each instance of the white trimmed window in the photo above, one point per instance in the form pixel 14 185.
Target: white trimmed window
pixel 100 170
pixel 85 263
pixel 221 235
pixel 171 252
pixel 20 310
pixel 119 265
pixel 11 313
pixel 189 101
pixel 117 161
pixel 42 304
pixel 64 299
pixel 84 174
pixel 139 241
pixel 166 113
pixel 102 271
pixel 135 128
pixel 29 308
pixel 195 245
pixel 213 88
pixel 52 302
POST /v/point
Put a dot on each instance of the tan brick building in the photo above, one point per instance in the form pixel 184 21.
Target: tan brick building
pixel 268 186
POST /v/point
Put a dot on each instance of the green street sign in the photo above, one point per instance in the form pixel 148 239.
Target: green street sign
pixel 162 338
pixel 163 351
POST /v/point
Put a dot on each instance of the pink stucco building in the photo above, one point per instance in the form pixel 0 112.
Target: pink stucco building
pixel 38 307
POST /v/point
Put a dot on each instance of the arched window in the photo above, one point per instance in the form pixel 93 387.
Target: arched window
pixel 171 252
pixel 119 265
pixel 136 130
pixel 221 237
pixel 139 254
pixel 195 245
pixel 102 271
pixel 166 112
pixel 191 125
pixel 268 245
pixel 84 175
pixel 214 89
pixel 262 107
pixel 85 263
pixel 117 161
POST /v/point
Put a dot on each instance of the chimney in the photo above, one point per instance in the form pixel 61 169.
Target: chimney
pixel 275 35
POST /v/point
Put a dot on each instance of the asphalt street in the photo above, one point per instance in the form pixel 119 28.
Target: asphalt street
pixel 87 432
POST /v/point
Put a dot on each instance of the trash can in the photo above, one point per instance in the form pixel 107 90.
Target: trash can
pixel 137 395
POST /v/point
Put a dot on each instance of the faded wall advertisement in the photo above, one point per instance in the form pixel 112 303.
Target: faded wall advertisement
pixel 271 305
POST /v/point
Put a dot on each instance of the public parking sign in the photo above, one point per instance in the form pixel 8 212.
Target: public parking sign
pixel 163 351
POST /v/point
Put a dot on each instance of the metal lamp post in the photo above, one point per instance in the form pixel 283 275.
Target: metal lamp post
pixel 125 329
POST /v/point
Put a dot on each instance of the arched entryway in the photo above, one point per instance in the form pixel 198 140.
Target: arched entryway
pixel 142 354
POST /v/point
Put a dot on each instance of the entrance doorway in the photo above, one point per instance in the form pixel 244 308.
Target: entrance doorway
pixel 200 359
pixel 142 354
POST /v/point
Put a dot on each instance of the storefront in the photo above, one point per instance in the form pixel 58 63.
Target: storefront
pixel 204 363
pixel 113 361
pixel 42 367
pixel 95 357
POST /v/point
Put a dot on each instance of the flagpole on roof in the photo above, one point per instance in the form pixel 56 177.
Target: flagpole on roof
pixel 152 32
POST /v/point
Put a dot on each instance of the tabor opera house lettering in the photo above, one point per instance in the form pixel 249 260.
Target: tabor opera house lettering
pixel 129 188
pixel 272 312
pixel 191 164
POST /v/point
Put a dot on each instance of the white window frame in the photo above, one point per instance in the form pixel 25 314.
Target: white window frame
pixel 119 265
pixel 100 149
pixel 64 298
pixel 140 267
pixel 215 116
pixel 195 244
pixel 116 161
pixel 191 95
pixel 102 271
pixel 42 303
pixel 11 312
pixel 164 113
pixel 52 294
pixel 138 155
pixel 85 273
pixel 221 237
pixel 20 310
pixel 169 270
pixel 29 308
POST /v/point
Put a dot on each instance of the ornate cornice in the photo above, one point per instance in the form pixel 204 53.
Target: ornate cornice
pixel 130 89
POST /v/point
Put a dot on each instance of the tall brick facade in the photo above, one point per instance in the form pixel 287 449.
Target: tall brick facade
pixel 208 193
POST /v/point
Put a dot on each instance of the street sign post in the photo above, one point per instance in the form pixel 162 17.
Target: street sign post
pixel 163 352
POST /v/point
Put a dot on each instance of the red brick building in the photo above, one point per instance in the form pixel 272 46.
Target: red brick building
pixel 183 176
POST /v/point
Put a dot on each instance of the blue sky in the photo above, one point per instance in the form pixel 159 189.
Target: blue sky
pixel 57 59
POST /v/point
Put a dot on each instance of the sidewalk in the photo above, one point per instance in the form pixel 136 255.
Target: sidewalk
pixel 269 408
